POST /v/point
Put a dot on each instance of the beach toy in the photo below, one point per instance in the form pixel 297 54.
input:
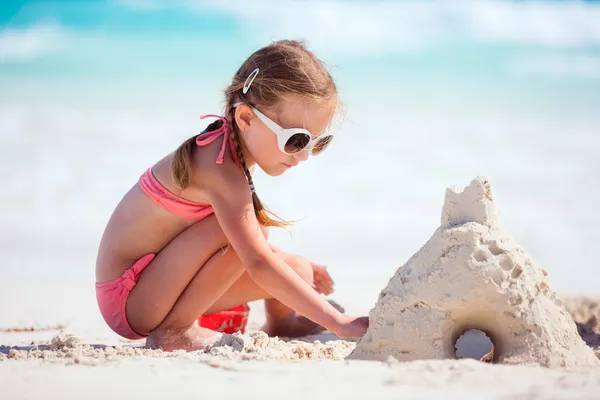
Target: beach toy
pixel 229 321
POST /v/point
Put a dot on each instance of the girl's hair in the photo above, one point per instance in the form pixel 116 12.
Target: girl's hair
pixel 287 67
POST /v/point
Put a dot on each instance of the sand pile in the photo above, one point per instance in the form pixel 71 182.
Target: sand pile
pixel 472 275
pixel 67 348
pixel 259 346
pixel 586 314
pixel 254 346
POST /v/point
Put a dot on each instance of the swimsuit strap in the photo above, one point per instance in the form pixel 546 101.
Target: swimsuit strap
pixel 209 137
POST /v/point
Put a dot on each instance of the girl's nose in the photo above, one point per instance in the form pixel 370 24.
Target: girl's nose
pixel 301 155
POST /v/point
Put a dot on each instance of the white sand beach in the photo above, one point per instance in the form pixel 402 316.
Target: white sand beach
pixel 84 360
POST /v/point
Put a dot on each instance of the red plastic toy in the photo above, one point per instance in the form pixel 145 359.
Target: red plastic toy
pixel 229 321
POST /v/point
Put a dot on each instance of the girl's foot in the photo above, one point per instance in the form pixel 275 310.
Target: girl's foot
pixel 295 325
pixel 188 339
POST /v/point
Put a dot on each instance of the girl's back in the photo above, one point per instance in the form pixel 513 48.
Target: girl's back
pixel 139 225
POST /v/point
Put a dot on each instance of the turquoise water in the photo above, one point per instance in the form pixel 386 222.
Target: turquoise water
pixel 436 93
pixel 534 49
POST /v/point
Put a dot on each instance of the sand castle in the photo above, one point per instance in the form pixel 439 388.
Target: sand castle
pixel 472 277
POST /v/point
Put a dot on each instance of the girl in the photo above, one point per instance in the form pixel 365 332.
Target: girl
pixel 190 238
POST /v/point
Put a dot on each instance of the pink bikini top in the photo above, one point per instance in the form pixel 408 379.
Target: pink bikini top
pixel 179 206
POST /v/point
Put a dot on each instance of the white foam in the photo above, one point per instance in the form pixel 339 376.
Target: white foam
pixel 395 26
pixel 24 44
pixel 556 66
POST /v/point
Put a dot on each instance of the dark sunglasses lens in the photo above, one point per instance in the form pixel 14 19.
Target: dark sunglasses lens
pixel 322 144
pixel 297 142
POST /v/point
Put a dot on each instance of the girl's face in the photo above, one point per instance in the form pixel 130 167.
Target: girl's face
pixel 261 143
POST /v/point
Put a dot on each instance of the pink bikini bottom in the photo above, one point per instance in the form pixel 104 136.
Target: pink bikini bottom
pixel 112 298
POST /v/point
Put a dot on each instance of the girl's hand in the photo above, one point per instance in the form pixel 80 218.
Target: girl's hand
pixel 322 280
pixel 352 327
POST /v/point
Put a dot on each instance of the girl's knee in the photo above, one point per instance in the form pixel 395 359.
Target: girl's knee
pixel 300 265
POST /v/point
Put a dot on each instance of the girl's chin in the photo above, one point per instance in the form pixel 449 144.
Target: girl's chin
pixel 273 169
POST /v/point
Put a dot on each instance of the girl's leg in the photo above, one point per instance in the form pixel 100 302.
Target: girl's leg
pixel 280 319
pixel 183 281
pixel 193 275
pixel 245 289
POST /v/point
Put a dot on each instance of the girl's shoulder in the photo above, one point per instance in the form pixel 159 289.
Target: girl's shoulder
pixel 214 162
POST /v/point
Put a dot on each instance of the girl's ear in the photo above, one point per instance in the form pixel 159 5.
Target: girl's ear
pixel 243 117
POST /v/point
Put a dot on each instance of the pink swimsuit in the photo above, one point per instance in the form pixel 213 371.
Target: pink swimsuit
pixel 112 295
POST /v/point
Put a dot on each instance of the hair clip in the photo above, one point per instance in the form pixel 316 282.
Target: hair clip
pixel 251 78
pixel 252 188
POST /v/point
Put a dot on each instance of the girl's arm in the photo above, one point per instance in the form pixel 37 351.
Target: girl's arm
pixel 231 200
pixel 323 283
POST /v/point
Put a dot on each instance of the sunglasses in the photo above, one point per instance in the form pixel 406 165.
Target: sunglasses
pixel 293 140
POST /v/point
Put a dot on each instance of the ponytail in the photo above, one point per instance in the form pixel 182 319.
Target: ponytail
pixel 181 166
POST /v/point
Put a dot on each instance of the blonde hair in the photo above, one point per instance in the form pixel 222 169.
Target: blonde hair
pixel 287 67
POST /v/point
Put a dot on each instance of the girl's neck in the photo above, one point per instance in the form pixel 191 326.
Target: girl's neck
pixel 248 159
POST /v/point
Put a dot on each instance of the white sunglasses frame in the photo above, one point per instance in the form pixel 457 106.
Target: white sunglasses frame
pixel 283 134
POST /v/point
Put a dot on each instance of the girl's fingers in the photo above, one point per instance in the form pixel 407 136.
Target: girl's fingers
pixel 323 283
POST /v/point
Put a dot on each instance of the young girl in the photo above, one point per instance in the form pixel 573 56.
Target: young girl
pixel 190 238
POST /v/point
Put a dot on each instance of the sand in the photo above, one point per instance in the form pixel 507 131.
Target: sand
pixel 60 365
pixel 472 275
pixel 253 346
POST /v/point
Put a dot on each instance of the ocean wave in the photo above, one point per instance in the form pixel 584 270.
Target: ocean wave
pixel 556 66
pixel 378 26
pixel 362 28
pixel 23 44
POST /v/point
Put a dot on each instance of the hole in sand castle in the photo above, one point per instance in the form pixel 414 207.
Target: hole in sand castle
pixel 517 271
pixel 506 263
pixel 480 255
pixel 495 249
pixel 558 302
pixel 497 276
pixel 475 344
